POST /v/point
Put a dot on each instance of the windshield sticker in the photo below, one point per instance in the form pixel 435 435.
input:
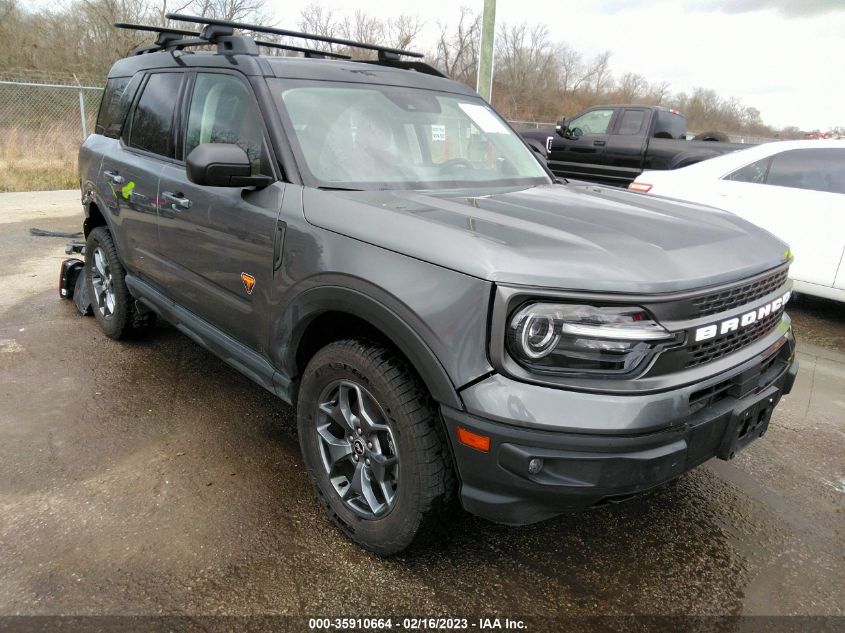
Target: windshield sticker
pixel 438 132
pixel 483 118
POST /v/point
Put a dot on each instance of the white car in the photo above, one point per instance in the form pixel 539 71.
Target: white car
pixel 794 189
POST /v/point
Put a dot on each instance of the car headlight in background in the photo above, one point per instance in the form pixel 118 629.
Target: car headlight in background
pixel 583 339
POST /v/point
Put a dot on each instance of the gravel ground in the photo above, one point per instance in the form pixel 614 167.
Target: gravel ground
pixel 150 478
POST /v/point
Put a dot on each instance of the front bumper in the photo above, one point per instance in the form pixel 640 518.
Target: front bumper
pixel 674 432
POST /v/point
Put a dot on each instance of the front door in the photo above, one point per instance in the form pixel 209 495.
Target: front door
pixel 581 152
pixel 218 242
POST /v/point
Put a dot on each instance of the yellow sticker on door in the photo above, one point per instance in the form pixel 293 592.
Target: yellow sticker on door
pixel 249 282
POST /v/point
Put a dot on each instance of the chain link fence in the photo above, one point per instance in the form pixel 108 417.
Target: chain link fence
pixel 42 123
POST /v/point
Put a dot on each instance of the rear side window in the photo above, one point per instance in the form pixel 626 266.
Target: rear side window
pixel 632 122
pixel 152 122
pixel 670 125
pixel 113 107
pixel 820 169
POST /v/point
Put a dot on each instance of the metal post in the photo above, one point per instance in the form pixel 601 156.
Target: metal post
pixel 484 85
pixel 82 114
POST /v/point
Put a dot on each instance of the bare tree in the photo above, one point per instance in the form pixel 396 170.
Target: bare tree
pixel 658 92
pixel 631 88
pixel 456 52
pixel 599 75
pixel 403 30
pixel 526 71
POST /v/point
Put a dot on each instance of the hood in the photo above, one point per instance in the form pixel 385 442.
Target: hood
pixel 577 237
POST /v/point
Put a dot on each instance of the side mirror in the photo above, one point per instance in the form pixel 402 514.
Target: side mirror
pixel 560 127
pixel 222 165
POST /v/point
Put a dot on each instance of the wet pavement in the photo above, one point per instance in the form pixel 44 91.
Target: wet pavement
pixel 149 477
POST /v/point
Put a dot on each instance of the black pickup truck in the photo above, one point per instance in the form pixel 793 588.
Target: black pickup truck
pixel 613 144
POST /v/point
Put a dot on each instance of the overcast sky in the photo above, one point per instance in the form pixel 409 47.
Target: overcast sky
pixel 785 57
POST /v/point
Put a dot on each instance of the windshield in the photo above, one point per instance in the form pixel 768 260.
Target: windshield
pixel 364 136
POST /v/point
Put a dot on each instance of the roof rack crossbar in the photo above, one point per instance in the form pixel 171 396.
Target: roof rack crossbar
pixel 180 38
pixel 384 52
pixel 309 52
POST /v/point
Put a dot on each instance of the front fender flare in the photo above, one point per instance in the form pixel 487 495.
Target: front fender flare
pixel 316 301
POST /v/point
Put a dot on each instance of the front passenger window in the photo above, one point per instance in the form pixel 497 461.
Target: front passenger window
pixel 223 111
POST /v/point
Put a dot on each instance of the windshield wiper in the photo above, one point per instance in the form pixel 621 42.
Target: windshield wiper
pixel 339 189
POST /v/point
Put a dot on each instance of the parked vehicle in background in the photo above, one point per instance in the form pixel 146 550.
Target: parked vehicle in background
pixel 372 243
pixel 795 189
pixel 613 144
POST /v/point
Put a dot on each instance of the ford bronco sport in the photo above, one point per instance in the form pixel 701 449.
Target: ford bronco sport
pixel 371 242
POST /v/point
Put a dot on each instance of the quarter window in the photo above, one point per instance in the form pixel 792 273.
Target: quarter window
pixel 113 108
pixel 152 122
pixel 223 111
pixel 755 172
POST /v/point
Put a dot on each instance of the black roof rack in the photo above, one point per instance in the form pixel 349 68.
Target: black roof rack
pixel 385 53
pixel 173 39
pixel 221 34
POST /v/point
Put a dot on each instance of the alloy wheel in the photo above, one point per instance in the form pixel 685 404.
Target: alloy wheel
pixel 103 283
pixel 357 449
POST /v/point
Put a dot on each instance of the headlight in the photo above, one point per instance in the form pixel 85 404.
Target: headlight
pixel 583 339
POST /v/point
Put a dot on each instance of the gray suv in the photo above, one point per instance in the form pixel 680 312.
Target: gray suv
pixel 372 243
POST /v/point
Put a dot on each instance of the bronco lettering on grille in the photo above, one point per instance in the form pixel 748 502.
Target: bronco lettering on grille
pixel 744 320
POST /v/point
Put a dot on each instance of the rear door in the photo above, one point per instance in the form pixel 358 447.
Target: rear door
pixel 582 155
pixel 128 178
pixel 217 243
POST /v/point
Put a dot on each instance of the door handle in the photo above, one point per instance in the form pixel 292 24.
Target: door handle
pixel 177 200
pixel 115 177
pixel 599 143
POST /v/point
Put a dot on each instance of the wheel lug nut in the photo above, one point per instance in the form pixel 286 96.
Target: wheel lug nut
pixel 358 430
pixel 355 457
pixel 369 444
pixel 368 461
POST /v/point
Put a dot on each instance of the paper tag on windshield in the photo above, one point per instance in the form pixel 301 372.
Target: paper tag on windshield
pixel 438 132
pixel 483 118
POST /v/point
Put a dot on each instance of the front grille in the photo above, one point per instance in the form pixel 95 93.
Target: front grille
pixel 738 295
pixel 708 351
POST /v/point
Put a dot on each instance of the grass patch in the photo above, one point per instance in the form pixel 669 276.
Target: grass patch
pixel 39 159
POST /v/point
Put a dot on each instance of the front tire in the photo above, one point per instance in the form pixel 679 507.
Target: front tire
pixel 371 441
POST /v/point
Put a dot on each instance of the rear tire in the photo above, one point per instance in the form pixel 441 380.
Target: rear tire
pixel 113 306
pixel 372 443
